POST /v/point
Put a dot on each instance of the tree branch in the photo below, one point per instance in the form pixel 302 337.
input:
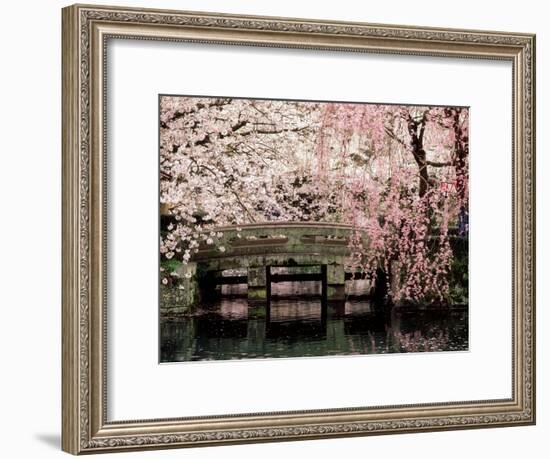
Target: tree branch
pixel 243 207
pixel 423 127
pixel 393 136
pixel 276 131
pixel 438 164
pixel 180 114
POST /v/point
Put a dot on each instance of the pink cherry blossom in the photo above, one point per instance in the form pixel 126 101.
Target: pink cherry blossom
pixel 398 174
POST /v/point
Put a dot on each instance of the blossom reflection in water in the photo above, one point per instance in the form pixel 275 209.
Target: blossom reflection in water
pixel 292 326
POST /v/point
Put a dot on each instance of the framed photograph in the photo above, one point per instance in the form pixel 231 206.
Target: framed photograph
pixel 281 229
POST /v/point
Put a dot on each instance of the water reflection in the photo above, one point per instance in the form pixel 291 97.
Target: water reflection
pixel 294 324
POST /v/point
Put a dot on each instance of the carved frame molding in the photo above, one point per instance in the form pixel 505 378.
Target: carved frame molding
pixel 86 31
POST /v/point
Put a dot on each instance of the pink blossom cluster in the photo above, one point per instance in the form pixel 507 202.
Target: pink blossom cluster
pixel 398 174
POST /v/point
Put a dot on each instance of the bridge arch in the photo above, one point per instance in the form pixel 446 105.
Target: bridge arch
pixel 259 247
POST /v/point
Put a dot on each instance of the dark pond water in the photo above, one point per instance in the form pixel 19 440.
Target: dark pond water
pixel 299 326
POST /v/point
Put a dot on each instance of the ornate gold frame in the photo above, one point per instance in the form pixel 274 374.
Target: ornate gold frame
pixel 85 30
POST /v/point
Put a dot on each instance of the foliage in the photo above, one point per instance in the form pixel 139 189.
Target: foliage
pixel 458 274
pixel 397 174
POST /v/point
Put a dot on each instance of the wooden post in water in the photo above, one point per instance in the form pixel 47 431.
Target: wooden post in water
pixel 324 295
pixel 324 284
pixel 268 283
pixel 267 296
pixel 336 280
pixel 256 284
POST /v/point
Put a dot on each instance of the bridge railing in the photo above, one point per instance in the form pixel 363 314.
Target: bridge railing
pixel 277 237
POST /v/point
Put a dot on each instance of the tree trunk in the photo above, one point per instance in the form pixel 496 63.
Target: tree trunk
pixel 416 132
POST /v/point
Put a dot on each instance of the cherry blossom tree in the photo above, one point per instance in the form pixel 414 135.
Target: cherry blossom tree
pixel 405 176
pixel 397 174
pixel 230 161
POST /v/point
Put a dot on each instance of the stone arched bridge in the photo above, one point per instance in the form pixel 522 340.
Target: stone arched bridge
pixel 257 248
